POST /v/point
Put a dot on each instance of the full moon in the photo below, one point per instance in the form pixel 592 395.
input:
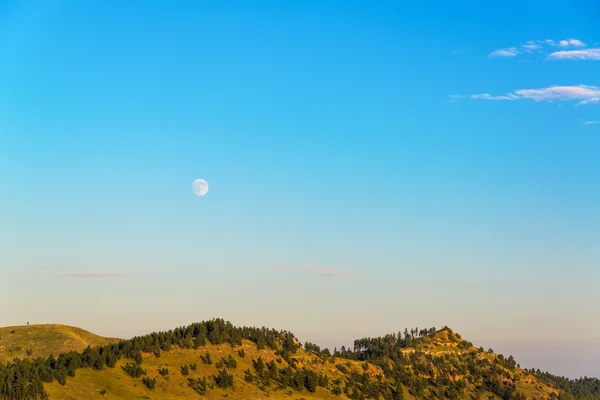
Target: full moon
pixel 200 187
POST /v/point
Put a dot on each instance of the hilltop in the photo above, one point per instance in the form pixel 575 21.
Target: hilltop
pixel 42 340
pixel 214 359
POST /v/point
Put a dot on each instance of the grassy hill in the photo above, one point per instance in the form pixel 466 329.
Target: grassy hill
pixel 215 360
pixel 42 340
pixel 117 384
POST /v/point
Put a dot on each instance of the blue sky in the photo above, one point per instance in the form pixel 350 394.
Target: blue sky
pixel 372 166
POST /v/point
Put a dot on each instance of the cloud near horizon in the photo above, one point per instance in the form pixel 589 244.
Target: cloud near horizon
pixel 591 122
pixel 80 275
pixel 584 94
pixel 93 275
pixel 323 271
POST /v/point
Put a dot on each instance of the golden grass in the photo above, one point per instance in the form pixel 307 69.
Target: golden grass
pixel 87 384
pixel 43 340
pixel 114 383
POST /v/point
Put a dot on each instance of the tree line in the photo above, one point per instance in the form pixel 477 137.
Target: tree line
pixel 422 374
pixel 23 379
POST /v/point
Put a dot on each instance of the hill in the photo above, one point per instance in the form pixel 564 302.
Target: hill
pixel 214 359
pixel 42 340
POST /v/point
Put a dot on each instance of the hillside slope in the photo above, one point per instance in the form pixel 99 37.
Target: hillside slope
pixel 115 383
pixel 42 340
pixel 214 359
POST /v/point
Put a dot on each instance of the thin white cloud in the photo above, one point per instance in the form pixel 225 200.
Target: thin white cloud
pixel 586 54
pixel 583 93
pixel 591 122
pixel 488 96
pixel 531 46
pixel 576 43
pixel 541 47
pixel 323 271
pixel 508 52
pixel 561 43
pixel 593 100
pixel 47 266
pixel 93 275
pixel 569 42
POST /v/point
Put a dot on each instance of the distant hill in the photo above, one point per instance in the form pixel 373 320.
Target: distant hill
pixel 216 360
pixel 42 340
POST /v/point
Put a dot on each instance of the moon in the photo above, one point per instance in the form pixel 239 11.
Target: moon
pixel 200 187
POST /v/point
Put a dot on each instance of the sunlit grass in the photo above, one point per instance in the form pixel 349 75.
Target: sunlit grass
pixel 42 340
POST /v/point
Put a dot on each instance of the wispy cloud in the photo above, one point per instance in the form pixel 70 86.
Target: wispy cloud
pixel 323 271
pixel 589 101
pixel 591 122
pixel 586 54
pixel 487 96
pixel 571 42
pixel 93 275
pixel 584 94
pixel 544 47
pixel 576 42
pixel 561 43
pixel 531 45
pixel 81 275
pixel 454 98
pixel 46 266
pixel 508 52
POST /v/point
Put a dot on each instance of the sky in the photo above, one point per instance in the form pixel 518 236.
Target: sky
pixel 372 166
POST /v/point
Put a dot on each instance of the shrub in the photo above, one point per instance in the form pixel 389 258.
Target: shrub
pixel 224 379
pixel 149 382
pixel 206 358
pixel 134 370
pixel 199 385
